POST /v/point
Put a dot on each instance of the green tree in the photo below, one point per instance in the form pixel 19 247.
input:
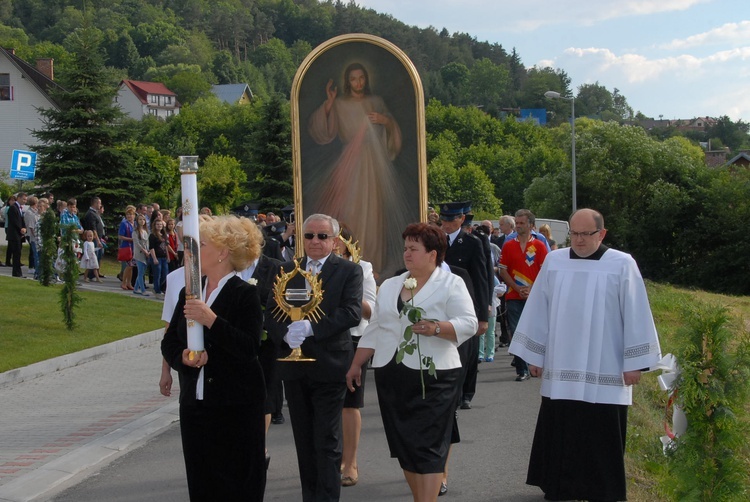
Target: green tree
pixel 225 68
pixel 125 53
pixel 221 183
pixel 593 100
pixel 271 172
pixel 487 85
pixel 705 463
pixel 153 37
pixel 732 134
pixel 455 77
pixel 189 86
pixel 540 80
pixel 620 106
pixel 13 37
pixel 275 60
pixel 80 152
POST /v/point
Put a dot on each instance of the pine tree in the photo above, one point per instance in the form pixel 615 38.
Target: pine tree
pixel 272 154
pixel 85 149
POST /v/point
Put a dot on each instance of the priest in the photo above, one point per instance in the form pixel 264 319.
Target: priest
pixel 588 332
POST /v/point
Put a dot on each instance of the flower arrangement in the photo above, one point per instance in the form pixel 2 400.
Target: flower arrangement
pixel 252 281
pixel 410 343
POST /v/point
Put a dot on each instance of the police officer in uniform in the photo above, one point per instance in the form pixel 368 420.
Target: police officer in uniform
pixel 466 251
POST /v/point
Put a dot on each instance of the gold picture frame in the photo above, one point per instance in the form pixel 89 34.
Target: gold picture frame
pixel 372 177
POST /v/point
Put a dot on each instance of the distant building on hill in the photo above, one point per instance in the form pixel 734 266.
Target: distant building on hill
pixel 234 94
pixel 138 99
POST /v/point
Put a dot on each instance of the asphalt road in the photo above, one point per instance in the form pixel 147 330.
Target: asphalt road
pixel 488 465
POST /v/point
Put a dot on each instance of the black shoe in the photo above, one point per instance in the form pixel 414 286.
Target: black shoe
pixel 268 460
pixel 443 489
pixel 465 405
pixel 277 418
pixel 521 378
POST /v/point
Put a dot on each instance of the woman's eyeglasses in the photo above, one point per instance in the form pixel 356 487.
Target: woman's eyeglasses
pixel 322 237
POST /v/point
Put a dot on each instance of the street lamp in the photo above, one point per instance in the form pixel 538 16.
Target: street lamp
pixel 556 95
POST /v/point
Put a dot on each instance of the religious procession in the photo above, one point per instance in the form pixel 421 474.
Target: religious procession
pixel 278 319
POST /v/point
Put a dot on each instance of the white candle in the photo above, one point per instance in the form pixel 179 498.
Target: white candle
pixel 191 241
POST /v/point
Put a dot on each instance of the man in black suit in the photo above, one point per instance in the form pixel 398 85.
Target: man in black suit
pixel 466 251
pixel 315 390
pixel 15 232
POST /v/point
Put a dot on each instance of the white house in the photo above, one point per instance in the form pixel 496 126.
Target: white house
pixel 138 99
pixel 23 89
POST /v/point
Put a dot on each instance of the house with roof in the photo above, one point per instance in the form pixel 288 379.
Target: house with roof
pixel 138 99
pixel 742 159
pixel 234 94
pixel 24 88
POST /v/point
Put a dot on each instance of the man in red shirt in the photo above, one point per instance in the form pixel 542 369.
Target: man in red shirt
pixel 520 263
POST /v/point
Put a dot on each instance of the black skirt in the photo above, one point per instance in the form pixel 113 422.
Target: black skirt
pixel 224 451
pixel 578 451
pixel 418 430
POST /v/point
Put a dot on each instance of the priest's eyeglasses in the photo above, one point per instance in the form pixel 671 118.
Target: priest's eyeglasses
pixel 310 236
pixel 574 235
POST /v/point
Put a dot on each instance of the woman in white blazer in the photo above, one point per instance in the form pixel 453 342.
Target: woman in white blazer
pixel 418 429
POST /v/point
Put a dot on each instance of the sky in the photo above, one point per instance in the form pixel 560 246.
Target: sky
pixel 671 59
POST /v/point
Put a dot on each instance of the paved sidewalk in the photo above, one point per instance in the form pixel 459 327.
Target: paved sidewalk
pixel 68 419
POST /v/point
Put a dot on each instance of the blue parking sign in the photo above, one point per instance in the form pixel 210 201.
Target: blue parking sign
pixel 23 165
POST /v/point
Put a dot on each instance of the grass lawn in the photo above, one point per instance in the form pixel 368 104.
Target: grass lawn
pixel 33 328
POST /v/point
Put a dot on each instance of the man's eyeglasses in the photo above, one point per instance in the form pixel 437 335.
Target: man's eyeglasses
pixel 573 235
pixel 322 237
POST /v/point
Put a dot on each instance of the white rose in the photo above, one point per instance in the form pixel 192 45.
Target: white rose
pixel 252 281
pixel 410 283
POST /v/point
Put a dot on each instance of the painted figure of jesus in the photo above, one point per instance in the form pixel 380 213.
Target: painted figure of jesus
pixel 361 189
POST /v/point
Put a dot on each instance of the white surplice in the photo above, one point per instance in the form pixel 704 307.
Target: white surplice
pixel 586 322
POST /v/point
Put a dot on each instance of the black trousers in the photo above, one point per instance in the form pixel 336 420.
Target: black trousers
pixel 469 353
pixel 315 410
pixel 14 253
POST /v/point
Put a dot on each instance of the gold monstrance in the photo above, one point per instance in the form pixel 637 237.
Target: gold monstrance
pixel 285 310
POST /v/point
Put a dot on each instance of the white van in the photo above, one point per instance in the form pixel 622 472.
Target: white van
pixel 559 228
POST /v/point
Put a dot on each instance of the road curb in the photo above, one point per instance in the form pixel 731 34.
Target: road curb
pixel 41 368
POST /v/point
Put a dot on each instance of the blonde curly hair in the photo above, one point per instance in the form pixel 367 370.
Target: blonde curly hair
pixel 240 236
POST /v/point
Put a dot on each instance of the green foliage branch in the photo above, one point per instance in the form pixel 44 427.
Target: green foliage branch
pixel 49 229
pixel 709 462
pixel 69 297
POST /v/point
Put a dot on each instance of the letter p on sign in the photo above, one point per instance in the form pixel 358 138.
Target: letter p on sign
pixel 23 165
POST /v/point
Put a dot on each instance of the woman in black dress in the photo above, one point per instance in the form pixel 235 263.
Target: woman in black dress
pixel 418 421
pixel 222 391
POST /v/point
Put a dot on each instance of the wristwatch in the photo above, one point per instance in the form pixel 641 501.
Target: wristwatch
pixel 437 328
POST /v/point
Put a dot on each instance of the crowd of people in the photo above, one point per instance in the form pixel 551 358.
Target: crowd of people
pixel 577 318
pixel 457 273
pixel 149 245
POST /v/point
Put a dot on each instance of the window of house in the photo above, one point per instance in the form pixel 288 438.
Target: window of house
pixel 168 100
pixel 153 98
pixel 5 94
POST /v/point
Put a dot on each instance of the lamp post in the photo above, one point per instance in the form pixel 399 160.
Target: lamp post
pixel 556 95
